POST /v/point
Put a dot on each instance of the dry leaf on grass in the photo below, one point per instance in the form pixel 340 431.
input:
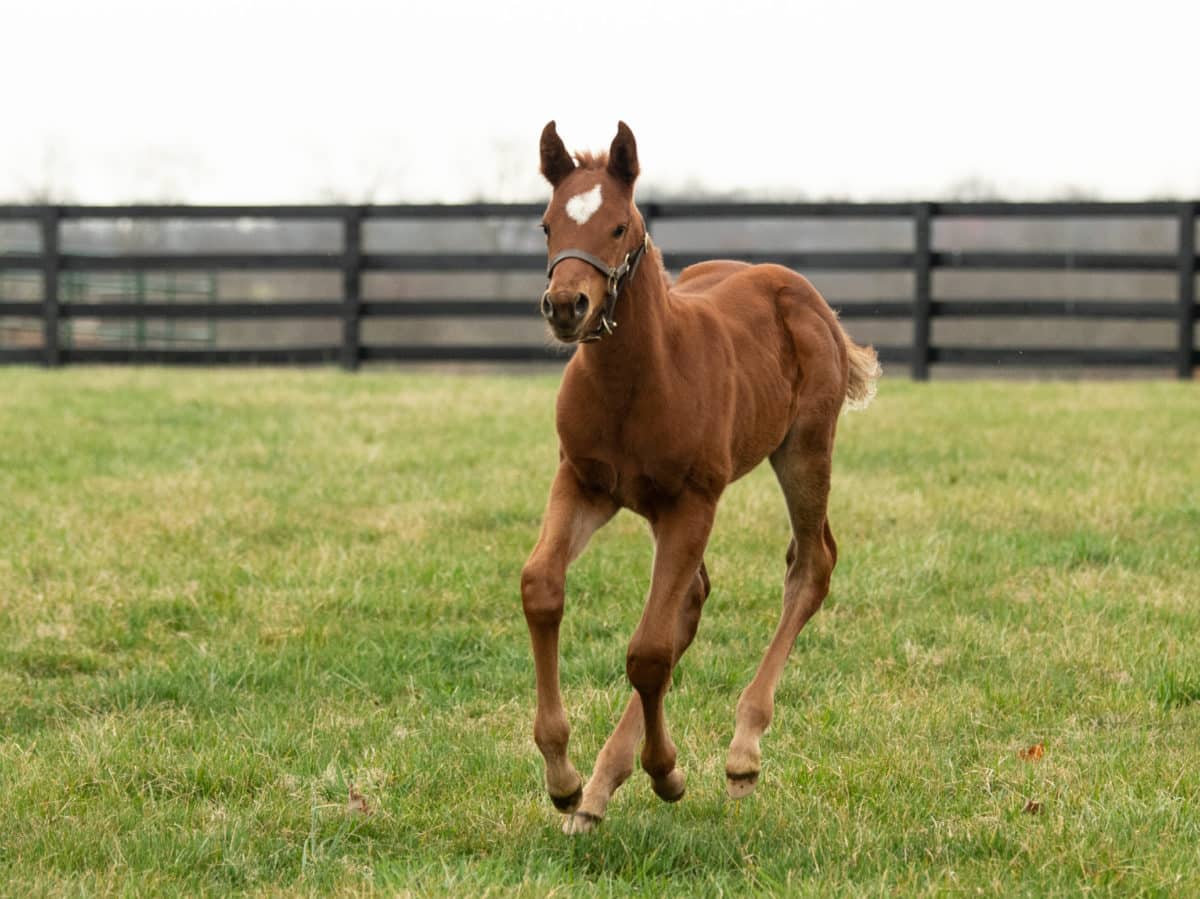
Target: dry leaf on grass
pixel 357 803
pixel 1033 753
pixel 1032 807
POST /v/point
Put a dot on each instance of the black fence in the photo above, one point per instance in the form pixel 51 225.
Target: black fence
pixel 922 260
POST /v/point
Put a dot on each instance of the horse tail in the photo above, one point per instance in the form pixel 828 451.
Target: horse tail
pixel 864 372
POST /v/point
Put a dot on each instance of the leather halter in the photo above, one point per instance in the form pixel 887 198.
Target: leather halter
pixel 615 280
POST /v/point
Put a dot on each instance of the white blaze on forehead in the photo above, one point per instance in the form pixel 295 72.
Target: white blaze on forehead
pixel 582 207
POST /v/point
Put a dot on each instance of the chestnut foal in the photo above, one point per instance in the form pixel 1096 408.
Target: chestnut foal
pixel 703 380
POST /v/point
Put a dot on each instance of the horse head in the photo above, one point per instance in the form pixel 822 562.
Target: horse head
pixel 595 236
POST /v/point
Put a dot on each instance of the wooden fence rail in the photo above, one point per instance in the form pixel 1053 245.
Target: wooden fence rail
pixel 922 261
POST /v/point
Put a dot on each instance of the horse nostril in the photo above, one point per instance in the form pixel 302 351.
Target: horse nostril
pixel 581 305
pixel 547 307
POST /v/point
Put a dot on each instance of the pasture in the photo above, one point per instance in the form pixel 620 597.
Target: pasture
pixel 228 598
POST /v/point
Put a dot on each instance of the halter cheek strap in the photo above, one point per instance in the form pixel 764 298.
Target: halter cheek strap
pixel 615 277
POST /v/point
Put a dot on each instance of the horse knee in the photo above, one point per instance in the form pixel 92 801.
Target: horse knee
pixel 648 667
pixel 541 595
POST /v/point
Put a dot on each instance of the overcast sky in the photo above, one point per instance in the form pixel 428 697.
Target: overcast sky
pixel 443 100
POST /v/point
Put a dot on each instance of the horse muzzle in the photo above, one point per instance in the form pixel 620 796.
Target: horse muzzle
pixel 565 311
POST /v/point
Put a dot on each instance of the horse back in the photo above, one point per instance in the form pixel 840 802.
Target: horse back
pixel 770 307
pixel 765 348
pixel 706 275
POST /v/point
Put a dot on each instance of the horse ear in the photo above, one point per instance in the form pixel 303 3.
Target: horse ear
pixel 556 161
pixel 622 156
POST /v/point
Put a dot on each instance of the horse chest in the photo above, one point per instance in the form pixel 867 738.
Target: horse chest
pixel 638 471
pixel 642 451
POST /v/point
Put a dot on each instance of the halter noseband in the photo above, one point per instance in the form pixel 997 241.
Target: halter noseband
pixel 615 279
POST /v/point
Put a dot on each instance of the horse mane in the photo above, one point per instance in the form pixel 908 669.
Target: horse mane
pixel 589 160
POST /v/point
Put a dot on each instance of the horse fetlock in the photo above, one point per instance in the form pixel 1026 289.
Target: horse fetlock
pixel 563 782
pixel 596 796
pixel 567 803
pixel 564 785
pixel 671 787
pixel 753 715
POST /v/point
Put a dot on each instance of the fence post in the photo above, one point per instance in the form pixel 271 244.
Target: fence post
pixel 51 356
pixel 351 286
pixel 922 289
pixel 1187 289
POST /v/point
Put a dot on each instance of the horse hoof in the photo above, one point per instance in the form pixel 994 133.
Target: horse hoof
pixel 670 788
pixel 580 822
pixel 741 785
pixel 568 804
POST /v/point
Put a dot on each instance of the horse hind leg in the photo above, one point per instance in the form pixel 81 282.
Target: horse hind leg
pixel 614 764
pixel 812 553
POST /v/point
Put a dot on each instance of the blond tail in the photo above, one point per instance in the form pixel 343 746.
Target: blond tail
pixel 864 372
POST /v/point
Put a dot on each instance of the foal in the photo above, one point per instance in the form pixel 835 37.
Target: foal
pixel 701 381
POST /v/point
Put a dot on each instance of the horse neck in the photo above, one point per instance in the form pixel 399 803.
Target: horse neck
pixel 635 350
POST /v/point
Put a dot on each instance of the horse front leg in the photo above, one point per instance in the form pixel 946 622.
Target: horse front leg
pixel 681 534
pixel 614 764
pixel 573 514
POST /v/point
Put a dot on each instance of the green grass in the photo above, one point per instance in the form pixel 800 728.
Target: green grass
pixel 226 597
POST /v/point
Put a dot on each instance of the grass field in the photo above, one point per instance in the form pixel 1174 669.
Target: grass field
pixel 228 597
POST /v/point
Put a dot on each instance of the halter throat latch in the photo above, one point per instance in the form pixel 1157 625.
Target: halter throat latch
pixel 615 279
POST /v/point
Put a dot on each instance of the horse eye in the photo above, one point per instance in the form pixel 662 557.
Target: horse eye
pixel 619 231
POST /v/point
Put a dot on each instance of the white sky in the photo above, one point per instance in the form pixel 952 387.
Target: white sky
pixel 218 101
